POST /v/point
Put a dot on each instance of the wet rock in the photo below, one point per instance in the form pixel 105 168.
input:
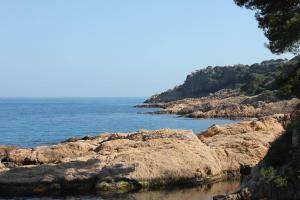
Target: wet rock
pixel 245 170
pixel 220 197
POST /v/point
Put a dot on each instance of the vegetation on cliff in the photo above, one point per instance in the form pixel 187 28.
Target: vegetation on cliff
pixel 278 78
pixel 288 81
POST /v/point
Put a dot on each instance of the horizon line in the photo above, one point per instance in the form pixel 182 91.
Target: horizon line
pixel 73 97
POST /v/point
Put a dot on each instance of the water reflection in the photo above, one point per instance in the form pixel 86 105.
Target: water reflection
pixel 198 193
pixel 195 193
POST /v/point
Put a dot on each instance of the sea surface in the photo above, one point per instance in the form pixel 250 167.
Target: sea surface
pixel 29 122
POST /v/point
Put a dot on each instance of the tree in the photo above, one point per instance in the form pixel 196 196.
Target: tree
pixel 280 21
pixel 288 81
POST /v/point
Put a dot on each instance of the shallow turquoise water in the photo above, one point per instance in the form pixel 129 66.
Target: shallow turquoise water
pixel 40 121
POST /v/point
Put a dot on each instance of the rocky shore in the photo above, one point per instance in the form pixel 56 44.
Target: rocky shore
pixel 124 162
pixel 226 103
pixel 277 175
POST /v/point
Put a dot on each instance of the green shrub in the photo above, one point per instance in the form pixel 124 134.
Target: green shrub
pixel 288 81
pixel 268 174
pixel 280 182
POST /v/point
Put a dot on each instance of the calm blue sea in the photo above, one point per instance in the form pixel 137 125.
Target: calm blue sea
pixel 30 122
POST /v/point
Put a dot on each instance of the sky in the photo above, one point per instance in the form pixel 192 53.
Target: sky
pixel 117 48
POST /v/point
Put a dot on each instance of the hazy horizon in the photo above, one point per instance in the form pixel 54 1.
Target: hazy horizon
pixel 119 49
pixel 68 97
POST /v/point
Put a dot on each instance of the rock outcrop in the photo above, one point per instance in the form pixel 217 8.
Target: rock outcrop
pixel 226 104
pixel 128 162
pixel 277 176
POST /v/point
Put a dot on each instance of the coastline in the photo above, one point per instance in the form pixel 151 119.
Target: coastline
pixel 126 162
pixel 224 104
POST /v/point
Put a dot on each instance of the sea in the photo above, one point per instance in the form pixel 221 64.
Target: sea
pixel 29 122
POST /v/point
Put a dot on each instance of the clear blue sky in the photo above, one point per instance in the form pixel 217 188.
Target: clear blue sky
pixel 117 47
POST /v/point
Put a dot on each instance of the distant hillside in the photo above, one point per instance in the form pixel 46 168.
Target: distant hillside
pixel 251 79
